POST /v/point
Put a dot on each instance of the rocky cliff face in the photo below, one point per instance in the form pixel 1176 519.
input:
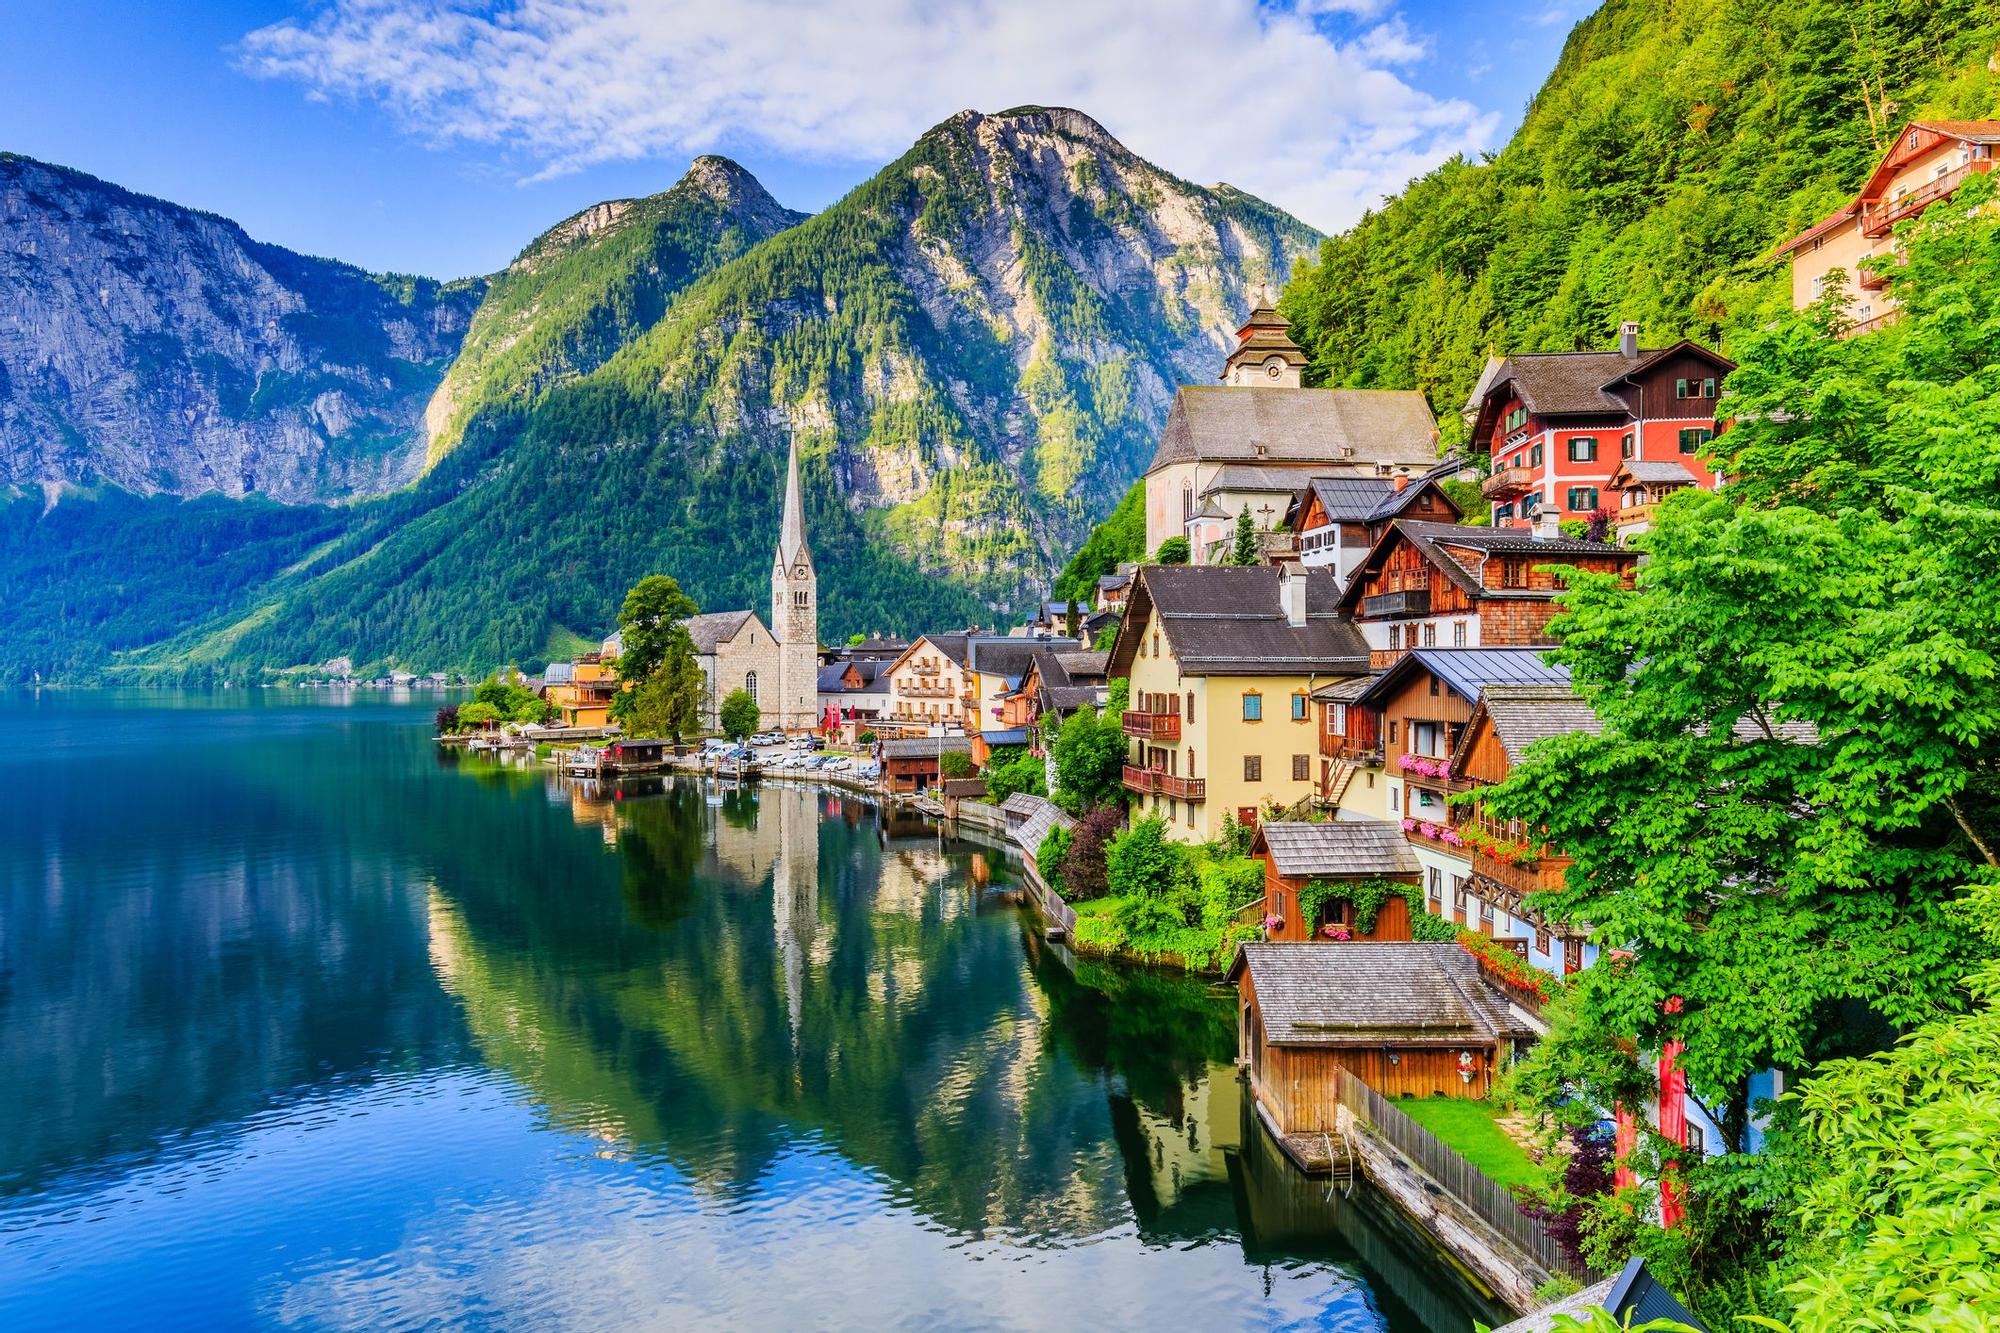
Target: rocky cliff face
pixel 163 350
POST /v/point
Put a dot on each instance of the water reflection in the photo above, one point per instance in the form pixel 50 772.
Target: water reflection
pixel 514 1043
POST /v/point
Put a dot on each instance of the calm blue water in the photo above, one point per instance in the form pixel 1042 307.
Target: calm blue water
pixel 304 1023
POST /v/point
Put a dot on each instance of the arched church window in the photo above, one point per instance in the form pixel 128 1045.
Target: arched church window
pixel 750 685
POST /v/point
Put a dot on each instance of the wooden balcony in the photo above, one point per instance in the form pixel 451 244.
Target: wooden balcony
pixel 1153 726
pixel 1522 877
pixel 1631 516
pixel 1507 482
pixel 925 691
pixel 1877 219
pixel 1407 602
pixel 1152 781
pixel 1381 659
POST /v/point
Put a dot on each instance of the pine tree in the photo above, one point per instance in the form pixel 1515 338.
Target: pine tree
pixel 1245 551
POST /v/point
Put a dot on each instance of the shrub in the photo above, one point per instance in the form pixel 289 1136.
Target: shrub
pixel 480 714
pixel 1143 915
pixel 1013 770
pixel 1143 861
pixel 447 719
pixel 955 764
pixel 1049 857
pixel 865 738
pixel 1083 867
pixel 738 715
pixel 1172 551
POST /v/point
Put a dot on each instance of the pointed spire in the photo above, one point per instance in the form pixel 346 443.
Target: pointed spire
pixel 792 535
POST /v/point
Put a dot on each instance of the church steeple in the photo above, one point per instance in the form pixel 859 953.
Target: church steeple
pixel 1265 355
pixel 792 548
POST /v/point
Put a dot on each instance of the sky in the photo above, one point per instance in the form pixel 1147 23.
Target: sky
pixel 440 136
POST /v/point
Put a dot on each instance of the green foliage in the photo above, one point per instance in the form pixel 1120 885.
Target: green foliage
pixel 866 738
pixel 510 701
pixel 1672 147
pixel 1143 861
pixel 1898 1218
pixel 856 639
pixel 668 702
pixel 650 619
pixel 1090 755
pixel 1120 538
pixel 1050 855
pixel 738 716
pixel 1243 551
pixel 1472 506
pixel 1083 865
pixel 1106 637
pixel 954 764
pixel 1010 770
pixel 479 714
pixel 1172 551
pixel 1367 895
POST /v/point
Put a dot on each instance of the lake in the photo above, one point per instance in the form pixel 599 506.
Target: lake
pixel 305 1022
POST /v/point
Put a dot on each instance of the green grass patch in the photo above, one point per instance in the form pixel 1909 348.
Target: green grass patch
pixel 1471 1129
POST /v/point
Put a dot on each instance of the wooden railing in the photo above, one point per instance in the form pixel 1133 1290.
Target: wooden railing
pixel 1142 726
pixel 1153 781
pixel 1459 1178
pixel 1507 482
pixel 1878 218
pixel 1881 321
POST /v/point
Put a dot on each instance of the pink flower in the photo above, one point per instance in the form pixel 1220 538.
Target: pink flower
pixel 1274 923
pixel 1409 825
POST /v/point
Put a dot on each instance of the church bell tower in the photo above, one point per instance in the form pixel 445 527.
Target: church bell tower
pixel 795 614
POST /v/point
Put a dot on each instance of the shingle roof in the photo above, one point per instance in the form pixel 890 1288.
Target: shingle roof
pixel 1009 657
pixel 1252 477
pixel 1555 384
pixel 1022 804
pixel 1082 664
pixel 715 628
pixel 1341 848
pixel 1344 691
pixel 1347 994
pixel 1337 427
pixel 1113 582
pixel 1523 714
pixel 1045 816
pixel 926 747
pixel 1640 469
pixel 1826 224
pixel 1225 620
pixel 833 676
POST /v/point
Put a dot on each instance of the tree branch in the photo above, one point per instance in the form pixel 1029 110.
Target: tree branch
pixel 1985 848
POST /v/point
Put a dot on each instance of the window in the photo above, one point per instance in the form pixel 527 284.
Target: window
pixel 1458 634
pixel 1458 893
pixel 1697 1141
pixel 1434 895
pixel 1253 708
pixel 1681 389
pixel 1694 437
pixel 1582 449
pixel 798 597
pixel 1433 883
pixel 1187 501
pixel 1190 717
pixel 1513 573
pixel 1708 388
pixel 1336 719
pixel 1485 912
pixel 1430 635
pixel 1517 418
pixel 1253 768
pixel 1300 708
pixel 1582 499
pixel 1627 445
pixel 1819 286
pixel 750 684
pixel 1301 768
pixel 1505 511
pixel 1535 456
pixel 1392 798
pixel 1424 739
pixel 1156 643
pixel 1392 731
pixel 1541 938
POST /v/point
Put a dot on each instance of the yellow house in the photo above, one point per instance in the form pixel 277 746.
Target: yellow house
pixel 581 691
pixel 1222 664
pixel 1928 161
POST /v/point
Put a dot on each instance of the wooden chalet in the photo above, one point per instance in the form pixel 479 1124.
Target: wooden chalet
pixel 1637 488
pixel 1350 749
pixel 1339 519
pixel 1409 1020
pixel 914 765
pixel 1438 585
pixel 1344 851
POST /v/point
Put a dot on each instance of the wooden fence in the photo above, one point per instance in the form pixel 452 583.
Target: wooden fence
pixel 1458 1177
pixel 1055 911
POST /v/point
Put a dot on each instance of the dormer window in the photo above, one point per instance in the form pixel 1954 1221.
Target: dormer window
pixel 1913 138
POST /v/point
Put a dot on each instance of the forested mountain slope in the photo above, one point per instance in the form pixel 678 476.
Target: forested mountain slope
pixel 163 350
pixel 1675 143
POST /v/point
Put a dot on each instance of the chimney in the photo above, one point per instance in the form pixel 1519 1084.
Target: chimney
pixel 1402 479
pixel 1628 340
pixel 1292 595
pixel 1548 524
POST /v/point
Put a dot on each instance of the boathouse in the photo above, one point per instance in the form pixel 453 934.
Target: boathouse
pixel 1321 868
pixel 914 765
pixel 1408 1019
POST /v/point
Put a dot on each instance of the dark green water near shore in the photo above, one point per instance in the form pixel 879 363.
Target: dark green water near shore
pixel 303 1022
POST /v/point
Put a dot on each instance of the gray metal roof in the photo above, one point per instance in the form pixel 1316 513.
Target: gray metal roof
pixel 1469 670
pixel 1313 994
pixel 1338 849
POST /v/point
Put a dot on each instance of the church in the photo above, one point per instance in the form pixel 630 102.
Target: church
pixel 778 664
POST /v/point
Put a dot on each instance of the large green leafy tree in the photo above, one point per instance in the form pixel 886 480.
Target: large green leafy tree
pixel 654 609
pixel 738 714
pixel 1090 755
pixel 658 661
pixel 1796 777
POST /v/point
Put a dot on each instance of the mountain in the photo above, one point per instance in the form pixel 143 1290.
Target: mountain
pixel 975 350
pixel 158 349
pixel 594 282
pixel 1675 143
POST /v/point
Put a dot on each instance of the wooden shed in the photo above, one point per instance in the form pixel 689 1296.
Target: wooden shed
pixel 1350 850
pixel 913 765
pixel 1409 1020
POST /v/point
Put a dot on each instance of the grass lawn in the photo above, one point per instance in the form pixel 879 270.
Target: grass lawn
pixel 1468 1128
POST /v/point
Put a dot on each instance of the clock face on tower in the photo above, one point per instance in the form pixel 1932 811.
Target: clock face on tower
pixel 1274 367
pixel 800 572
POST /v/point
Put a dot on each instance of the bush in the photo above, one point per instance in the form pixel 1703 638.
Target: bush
pixel 478 714
pixel 1431 929
pixel 738 715
pixel 1142 915
pixel 447 719
pixel 1083 867
pixel 1173 551
pixel 1011 771
pixel 865 738
pixel 1143 861
pixel 1049 857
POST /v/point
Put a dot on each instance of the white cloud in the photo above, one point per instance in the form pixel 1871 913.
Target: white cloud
pixel 1268 99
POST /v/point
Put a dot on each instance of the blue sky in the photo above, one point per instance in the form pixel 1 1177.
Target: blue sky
pixel 439 136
